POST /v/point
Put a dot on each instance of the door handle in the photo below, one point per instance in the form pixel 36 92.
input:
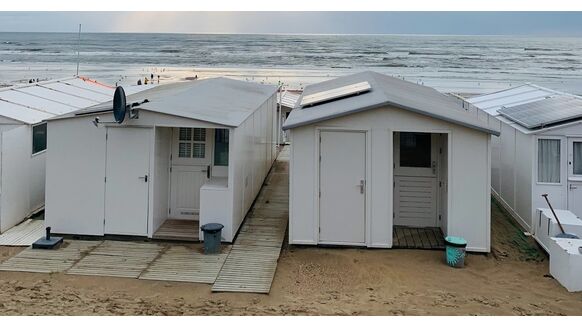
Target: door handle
pixel 145 178
pixel 572 186
pixel 362 186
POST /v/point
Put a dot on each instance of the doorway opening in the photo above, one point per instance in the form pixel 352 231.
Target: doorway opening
pixel 420 189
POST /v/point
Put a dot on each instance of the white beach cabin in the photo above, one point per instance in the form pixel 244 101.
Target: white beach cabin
pixel 23 137
pixel 370 152
pixel 539 151
pixel 287 100
pixel 194 153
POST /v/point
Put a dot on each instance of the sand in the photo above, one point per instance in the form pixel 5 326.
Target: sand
pixel 512 280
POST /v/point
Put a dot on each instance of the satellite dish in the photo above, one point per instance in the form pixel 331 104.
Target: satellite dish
pixel 119 105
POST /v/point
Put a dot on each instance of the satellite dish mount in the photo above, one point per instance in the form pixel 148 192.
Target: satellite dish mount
pixel 121 108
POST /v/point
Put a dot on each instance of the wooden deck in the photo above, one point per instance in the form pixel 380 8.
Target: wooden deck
pixel 117 259
pixel 49 261
pixel 418 238
pixel 182 230
pixel 185 264
pixel 250 267
pixel 23 234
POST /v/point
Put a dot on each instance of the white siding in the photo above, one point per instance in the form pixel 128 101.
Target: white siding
pixel 161 176
pixel 468 170
pixel 75 172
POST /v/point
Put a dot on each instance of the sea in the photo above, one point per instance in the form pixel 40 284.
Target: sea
pixel 462 64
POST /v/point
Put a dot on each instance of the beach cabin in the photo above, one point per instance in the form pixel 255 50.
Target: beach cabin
pixel 287 100
pixel 185 154
pixel 23 138
pixel 539 150
pixel 371 154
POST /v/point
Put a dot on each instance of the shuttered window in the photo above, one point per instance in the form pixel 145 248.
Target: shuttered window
pixel 192 143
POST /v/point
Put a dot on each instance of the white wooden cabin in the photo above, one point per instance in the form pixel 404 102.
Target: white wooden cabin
pixel 539 150
pixel 287 100
pixel 197 153
pixel 23 136
pixel 371 152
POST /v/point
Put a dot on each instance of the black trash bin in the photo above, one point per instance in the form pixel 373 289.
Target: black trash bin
pixel 212 237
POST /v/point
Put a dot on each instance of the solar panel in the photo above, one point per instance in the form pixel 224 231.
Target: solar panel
pixel 341 92
pixel 544 112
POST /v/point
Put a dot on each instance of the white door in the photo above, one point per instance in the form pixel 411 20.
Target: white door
pixel 191 159
pixel 415 179
pixel 127 181
pixel 575 176
pixel 342 177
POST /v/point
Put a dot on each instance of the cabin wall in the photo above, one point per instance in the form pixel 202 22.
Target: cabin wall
pixel 253 149
pixel 18 176
pixel 161 177
pixel 75 171
pixel 468 170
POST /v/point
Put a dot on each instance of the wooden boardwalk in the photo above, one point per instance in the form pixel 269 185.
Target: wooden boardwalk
pixel 23 234
pixel 250 267
pixel 418 238
pixel 117 259
pixel 182 263
pixel 49 261
pixel 184 230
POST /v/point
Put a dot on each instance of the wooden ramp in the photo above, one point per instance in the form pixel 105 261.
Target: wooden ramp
pixel 23 234
pixel 250 267
pixel 117 259
pixel 48 261
pixel 182 263
pixel 418 238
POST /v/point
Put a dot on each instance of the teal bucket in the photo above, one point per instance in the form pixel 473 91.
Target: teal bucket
pixel 455 251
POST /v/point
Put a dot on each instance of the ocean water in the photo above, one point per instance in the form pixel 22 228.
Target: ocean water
pixel 471 64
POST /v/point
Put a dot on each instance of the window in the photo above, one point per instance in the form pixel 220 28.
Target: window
pixel 549 160
pixel 192 143
pixel 38 138
pixel 415 149
pixel 221 147
pixel 577 157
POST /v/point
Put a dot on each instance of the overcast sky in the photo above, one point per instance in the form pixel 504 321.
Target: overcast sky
pixel 464 23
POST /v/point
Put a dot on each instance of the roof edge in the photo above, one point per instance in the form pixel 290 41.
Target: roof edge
pixel 389 103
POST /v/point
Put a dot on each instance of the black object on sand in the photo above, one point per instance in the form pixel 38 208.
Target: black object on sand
pixel 48 242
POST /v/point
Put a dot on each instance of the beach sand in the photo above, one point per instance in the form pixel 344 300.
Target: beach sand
pixel 512 280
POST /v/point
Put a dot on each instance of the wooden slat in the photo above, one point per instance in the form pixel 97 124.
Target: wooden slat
pixel 251 265
pixel 184 230
pixel 23 234
pixel 419 238
pixel 48 261
pixel 180 263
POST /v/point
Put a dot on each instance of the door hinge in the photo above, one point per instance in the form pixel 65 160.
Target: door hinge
pixel 169 211
pixel 105 179
pixel 170 169
pixel 320 194
pixel 440 150
pixel 106 135
pixel 440 184
pixel 393 165
pixel 393 215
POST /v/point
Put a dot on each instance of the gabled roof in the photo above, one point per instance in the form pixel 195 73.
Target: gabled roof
pixel 35 102
pixel 531 108
pixel 220 100
pixel 520 95
pixel 390 91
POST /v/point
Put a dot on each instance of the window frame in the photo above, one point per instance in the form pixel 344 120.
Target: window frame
pixel 214 152
pixel 33 153
pixel 537 166
pixel 192 141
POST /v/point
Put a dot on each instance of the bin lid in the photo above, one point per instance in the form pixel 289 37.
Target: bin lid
pixel 211 227
pixel 455 241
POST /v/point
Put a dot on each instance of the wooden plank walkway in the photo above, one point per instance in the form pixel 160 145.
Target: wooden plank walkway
pixel 250 267
pixel 49 261
pixel 184 230
pixel 185 264
pixel 418 238
pixel 23 234
pixel 117 259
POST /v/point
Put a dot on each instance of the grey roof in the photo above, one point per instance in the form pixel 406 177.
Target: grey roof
pixel 34 102
pixel 523 94
pixel 544 112
pixel 220 100
pixel 390 91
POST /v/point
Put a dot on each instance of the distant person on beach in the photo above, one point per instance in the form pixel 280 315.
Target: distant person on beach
pixel 158 79
pixel 139 82
pixel 145 80
pixel 152 77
